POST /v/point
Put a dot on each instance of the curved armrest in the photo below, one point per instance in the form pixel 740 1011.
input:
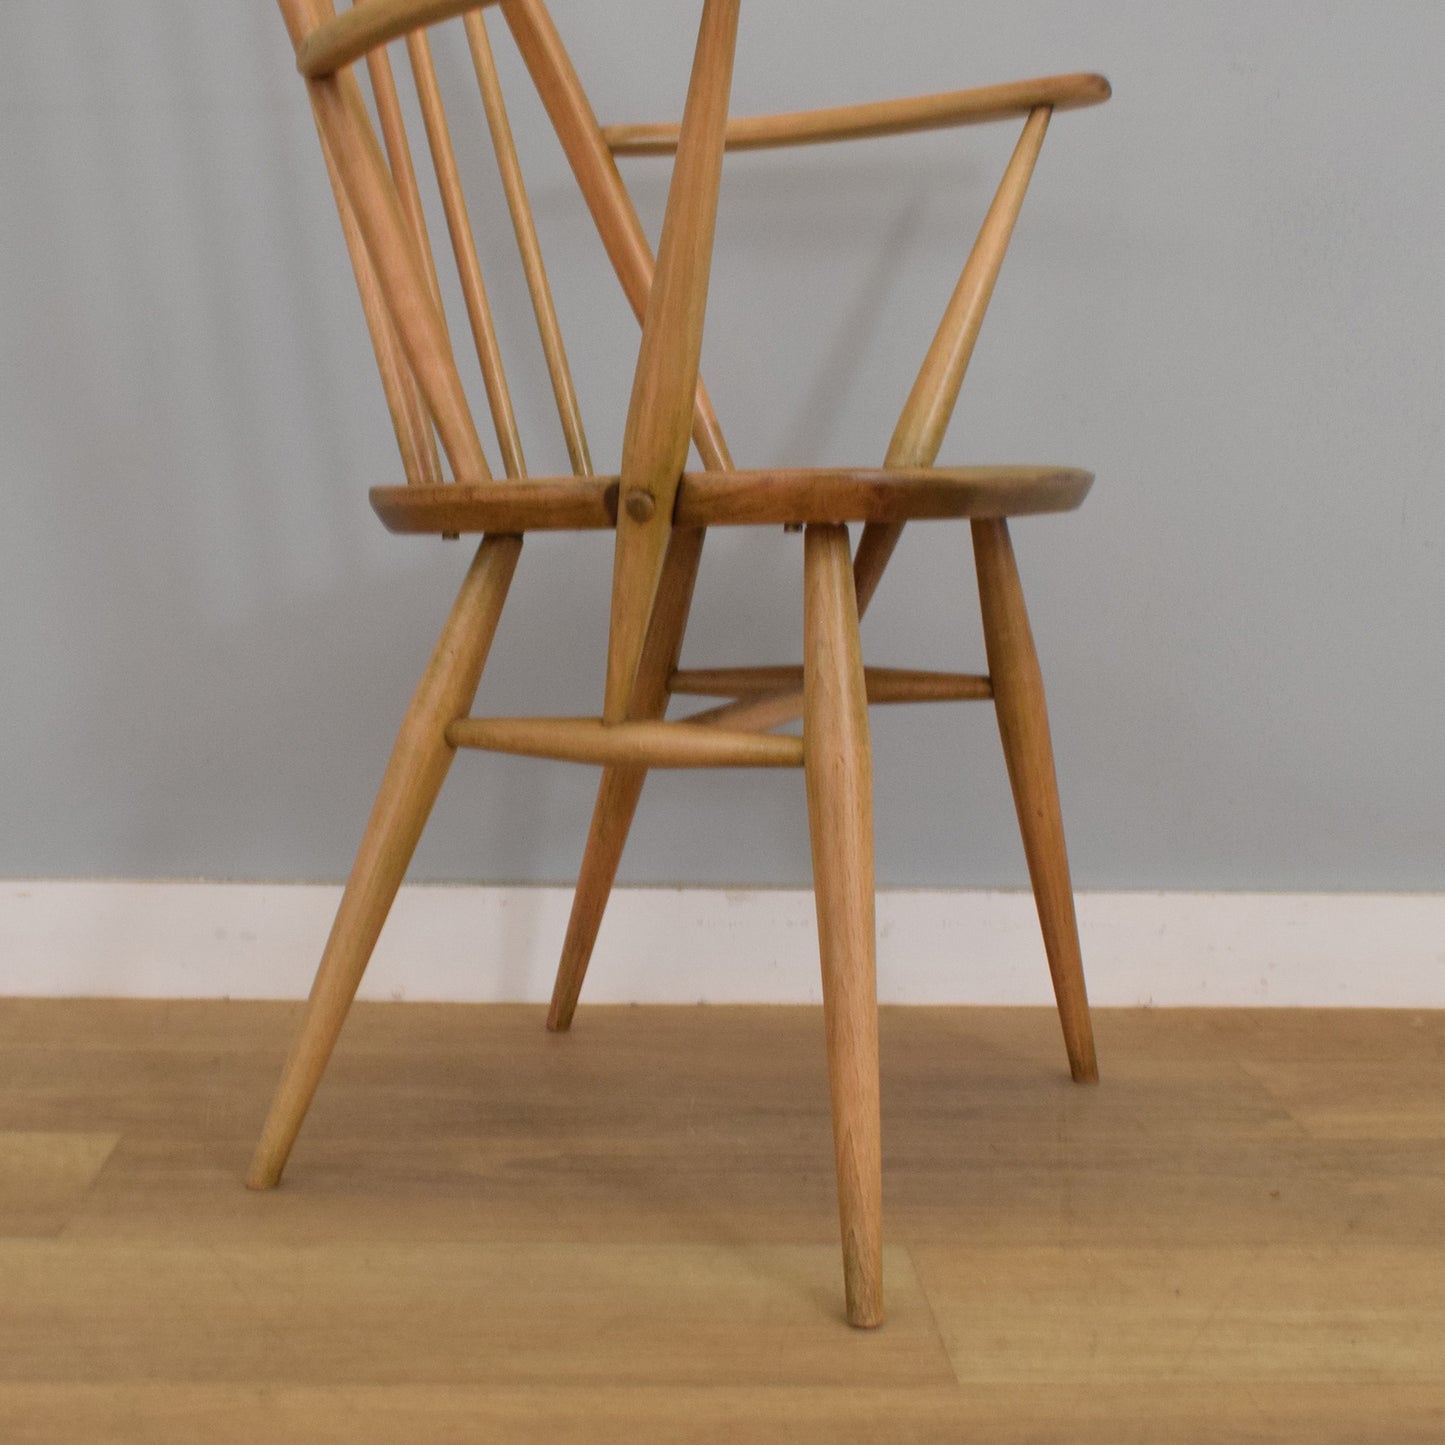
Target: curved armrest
pixel 884 117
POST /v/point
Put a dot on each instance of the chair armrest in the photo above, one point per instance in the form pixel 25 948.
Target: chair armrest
pixel 883 117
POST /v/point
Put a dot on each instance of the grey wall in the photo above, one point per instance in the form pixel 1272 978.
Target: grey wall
pixel 1225 296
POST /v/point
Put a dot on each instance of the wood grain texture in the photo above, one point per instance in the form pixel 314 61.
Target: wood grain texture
pixel 403 170
pixel 658 516
pixel 391 246
pixel 618 226
pixel 926 414
pixel 418 766
pixel 777 495
pixel 326 45
pixel 884 684
pixel 877 118
pixel 535 504
pixel 621 787
pixel 414 436
pixel 626 744
pixel 1191 1413
pixel 1273 1313
pixel 1023 724
pixel 660 414
pixel 859 494
pixel 839 770
pixel 627 1233
pixel 528 246
pixel 930 405
pixel 44 1175
pixel 464 252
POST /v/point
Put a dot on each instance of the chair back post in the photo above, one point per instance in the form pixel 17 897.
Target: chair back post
pixel 391 246
pixel 659 419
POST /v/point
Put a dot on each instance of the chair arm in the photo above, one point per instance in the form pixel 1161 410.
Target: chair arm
pixel 883 117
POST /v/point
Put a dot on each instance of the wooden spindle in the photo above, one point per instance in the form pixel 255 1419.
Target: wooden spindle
pixel 400 270
pixel 414 436
pixel 601 185
pixel 524 225
pixel 398 153
pixel 464 248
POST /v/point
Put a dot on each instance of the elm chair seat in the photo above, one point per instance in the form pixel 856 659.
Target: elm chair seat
pixel 793 497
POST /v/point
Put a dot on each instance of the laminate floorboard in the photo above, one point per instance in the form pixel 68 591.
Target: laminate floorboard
pixel 629 1233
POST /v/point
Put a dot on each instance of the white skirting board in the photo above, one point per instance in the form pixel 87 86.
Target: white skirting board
pixel 714 945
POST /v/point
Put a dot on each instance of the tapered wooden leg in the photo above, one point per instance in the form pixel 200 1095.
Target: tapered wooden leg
pixel 621 787
pixel 419 763
pixel 838 765
pixel 1023 723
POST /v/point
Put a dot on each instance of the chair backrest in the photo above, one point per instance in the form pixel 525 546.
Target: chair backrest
pixel 378 195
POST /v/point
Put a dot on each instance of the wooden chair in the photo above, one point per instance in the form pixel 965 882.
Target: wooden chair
pixel 659 515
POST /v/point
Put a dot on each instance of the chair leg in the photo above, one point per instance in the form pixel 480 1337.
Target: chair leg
pixel 838 767
pixel 621 787
pixel 612 815
pixel 419 763
pixel 1023 723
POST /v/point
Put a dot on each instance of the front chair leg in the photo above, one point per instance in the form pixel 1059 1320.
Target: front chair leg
pixel 419 763
pixel 838 765
pixel 1023 723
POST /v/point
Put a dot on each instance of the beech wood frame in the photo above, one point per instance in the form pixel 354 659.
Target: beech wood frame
pixel 659 518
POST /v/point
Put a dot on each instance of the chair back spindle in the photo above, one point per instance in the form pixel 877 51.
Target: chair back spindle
pixel 528 246
pixel 380 201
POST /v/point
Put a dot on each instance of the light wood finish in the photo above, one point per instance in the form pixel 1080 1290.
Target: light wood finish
pixel 464 250
pixel 325 45
pixel 597 177
pixel 626 744
pixel 817 494
pixel 659 417
pixel 931 402
pixel 403 172
pixel 528 246
pixel 731 499
pixel 419 763
pixel 621 787
pixel 342 118
pixel 759 712
pixel 1023 724
pixel 884 684
pixel 414 436
pixel 925 418
pixel 839 770
pixel 628 1236
pixel 622 236
pixel 659 517
pixel 536 504
pixel 880 118
pixel 45 1175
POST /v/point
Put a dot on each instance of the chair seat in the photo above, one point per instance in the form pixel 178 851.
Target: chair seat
pixel 712 499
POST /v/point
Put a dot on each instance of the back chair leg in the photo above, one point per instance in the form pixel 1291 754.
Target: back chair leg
pixel 1023 723
pixel 612 815
pixel 621 787
pixel 419 763
pixel 838 765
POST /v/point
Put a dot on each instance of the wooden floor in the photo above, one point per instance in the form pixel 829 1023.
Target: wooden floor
pixel 629 1234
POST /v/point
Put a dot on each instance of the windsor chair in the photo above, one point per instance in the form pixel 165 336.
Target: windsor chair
pixel 659 515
